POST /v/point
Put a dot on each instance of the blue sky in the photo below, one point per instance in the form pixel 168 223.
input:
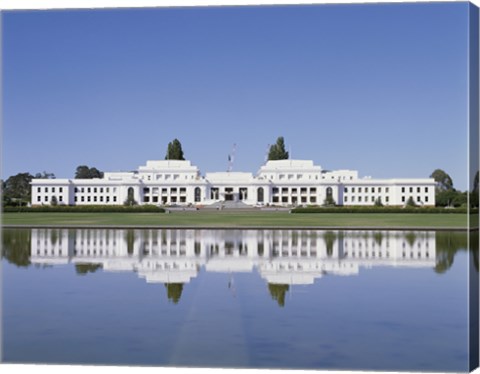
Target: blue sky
pixel 380 88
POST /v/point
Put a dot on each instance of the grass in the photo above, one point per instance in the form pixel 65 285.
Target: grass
pixel 238 219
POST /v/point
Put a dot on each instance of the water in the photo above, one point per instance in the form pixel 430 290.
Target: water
pixel 310 299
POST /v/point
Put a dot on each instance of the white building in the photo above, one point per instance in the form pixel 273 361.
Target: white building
pixel 279 183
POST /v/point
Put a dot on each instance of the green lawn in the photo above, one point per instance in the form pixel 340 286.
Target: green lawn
pixel 242 219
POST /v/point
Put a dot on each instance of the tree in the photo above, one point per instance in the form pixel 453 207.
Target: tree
pixel 84 172
pixel 54 201
pixel 444 181
pixel 17 189
pixel 277 151
pixel 174 151
pixel 411 202
pixel 44 175
pixel 378 202
pixel 329 201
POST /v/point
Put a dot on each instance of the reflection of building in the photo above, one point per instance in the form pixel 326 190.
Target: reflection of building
pixel 280 182
pixel 280 256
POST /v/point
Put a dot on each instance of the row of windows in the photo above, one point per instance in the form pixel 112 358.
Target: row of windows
pixel 95 199
pixel 373 199
pixel 294 199
pixel 95 189
pixel 167 177
pixel 155 190
pixel 293 190
pixel 365 189
pixel 354 199
pixel 39 189
pixel 379 189
pixel 47 198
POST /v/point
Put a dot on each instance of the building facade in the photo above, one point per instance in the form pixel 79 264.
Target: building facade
pixel 285 183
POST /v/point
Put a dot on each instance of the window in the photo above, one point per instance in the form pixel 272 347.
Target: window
pixel 426 189
pixel 101 189
pixel 95 189
pixel 345 199
pixel 76 199
pixel 426 199
pixel 418 189
pixel 88 198
pixel 411 189
pixel 386 189
pixel 403 199
pixel 89 189
pixel 39 198
pixel 114 199
pixel 101 199
pixel 197 194
pixel 46 189
pixel 39 189
pixel 379 189
pixel 183 190
pixel 403 189
pixel 359 189
pixel 353 189
pixel 346 190
pixel 359 199
pixel 386 199
pixel 108 199
pixel 95 198
pixel 313 190
pixel 418 198
pixel 373 189
pixel 60 198
pixel 83 199
pixel 260 194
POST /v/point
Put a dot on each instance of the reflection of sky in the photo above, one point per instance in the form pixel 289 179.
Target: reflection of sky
pixel 384 318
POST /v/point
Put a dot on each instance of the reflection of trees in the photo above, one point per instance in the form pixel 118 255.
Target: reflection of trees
pixel 130 239
pixel 378 237
pixel 448 243
pixel 278 291
pixel 84 269
pixel 174 291
pixel 329 238
pixel 16 244
pixel 410 237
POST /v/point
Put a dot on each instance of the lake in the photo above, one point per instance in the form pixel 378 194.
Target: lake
pixel 295 299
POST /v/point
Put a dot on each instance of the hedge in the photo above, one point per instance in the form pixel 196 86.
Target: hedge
pixel 373 209
pixel 85 209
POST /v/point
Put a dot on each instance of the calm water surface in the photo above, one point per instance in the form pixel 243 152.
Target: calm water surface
pixel 309 299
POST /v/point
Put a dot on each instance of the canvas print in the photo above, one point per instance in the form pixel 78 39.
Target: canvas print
pixel 273 187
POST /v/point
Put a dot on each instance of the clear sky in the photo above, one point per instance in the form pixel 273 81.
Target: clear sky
pixel 380 88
